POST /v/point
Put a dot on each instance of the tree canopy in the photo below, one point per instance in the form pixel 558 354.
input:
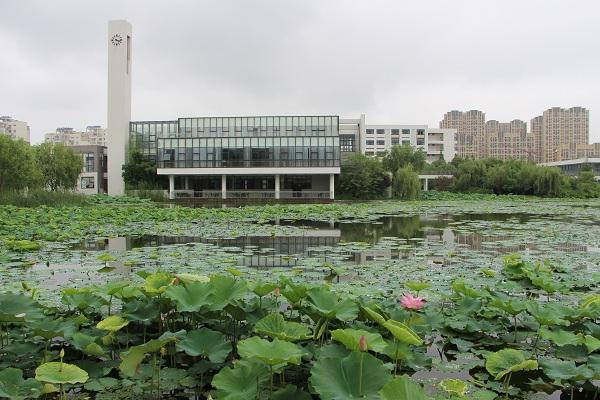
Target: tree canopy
pixel 58 165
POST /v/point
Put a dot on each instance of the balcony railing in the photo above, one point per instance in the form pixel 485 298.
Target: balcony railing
pixel 252 194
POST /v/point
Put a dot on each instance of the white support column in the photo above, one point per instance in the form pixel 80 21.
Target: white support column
pixel 331 186
pixel 186 183
pixel 171 187
pixel 277 189
pixel 426 186
pixel 223 186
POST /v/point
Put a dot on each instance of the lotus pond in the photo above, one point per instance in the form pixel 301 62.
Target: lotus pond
pixel 135 300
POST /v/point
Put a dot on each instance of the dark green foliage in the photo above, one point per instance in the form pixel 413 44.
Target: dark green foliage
pixel 140 173
pixel 401 156
pixel 17 165
pixel 406 184
pixel 363 177
pixel 59 166
pixel 40 197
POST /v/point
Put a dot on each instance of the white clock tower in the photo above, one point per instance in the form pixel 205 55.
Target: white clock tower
pixel 119 102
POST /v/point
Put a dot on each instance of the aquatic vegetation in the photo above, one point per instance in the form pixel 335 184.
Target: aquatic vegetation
pixel 318 301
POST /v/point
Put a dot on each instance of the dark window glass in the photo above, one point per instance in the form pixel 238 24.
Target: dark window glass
pixel 406 131
pixel 395 131
pixel 380 131
pixel 370 142
pixel 381 142
pixel 370 131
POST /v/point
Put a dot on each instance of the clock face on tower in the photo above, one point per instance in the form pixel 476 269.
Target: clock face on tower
pixel 116 39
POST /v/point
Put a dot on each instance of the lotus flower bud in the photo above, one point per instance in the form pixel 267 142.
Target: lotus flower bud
pixel 362 343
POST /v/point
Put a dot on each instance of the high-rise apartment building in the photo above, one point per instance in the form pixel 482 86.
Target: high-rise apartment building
pixel 14 128
pixel 93 135
pixel 508 141
pixel 470 129
pixel 562 131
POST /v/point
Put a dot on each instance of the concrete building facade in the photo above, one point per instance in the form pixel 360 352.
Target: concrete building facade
pixel 508 141
pixel 562 130
pixel 14 128
pixel 93 178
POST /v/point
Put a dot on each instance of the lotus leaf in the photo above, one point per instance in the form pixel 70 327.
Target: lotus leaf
pixel 205 342
pixel 241 382
pixel 112 324
pixel 454 387
pixel 402 332
pixel 327 304
pixel 14 387
pixel 351 338
pixel 562 371
pixel 402 388
pixel 275 326
pixel 561 337
pixel 359 375
pixel 59 372
pixel 191 297
pixel 132 358
pixel 156 284
pixel 271 353
pixel 506 361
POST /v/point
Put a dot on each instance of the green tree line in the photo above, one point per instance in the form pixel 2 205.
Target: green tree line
pixel 364 177
pixel 46 166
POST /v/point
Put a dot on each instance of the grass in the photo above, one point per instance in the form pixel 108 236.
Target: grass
pixel 39 197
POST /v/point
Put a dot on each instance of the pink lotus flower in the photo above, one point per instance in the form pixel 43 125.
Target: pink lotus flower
pixel 410 302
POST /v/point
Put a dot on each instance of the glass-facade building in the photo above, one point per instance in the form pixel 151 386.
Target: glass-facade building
pixel 294 147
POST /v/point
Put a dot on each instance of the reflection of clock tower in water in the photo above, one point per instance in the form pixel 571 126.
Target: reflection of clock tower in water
pixel 119 102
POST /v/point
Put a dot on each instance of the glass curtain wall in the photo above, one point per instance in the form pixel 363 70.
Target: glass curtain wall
pixel 303 141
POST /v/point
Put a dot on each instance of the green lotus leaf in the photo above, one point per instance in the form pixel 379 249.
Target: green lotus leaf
pixel 359 375
pixel 106 257
pixel 402 332
pixel 101 384
pixel 460 287
pixel 512 307
pixel 242 382
pixel 112 323
pixel 506 361
pixel 402 388
pixel 205 342
pixel 561 337
pixel 191 297
pixel 113 288
pixel 271 353
pixel 60 372
pixel 374 315
pixel 275 326
pixel 226 290
pixel 14 387
pixel 18 308
pixel 454 387
pixel 186 278
pixel 562 371
pixel 549 314
pixel 351 337
pixel 294 293
pixel 82 299
pixel 157 283
pixel 263 288
pixel 591 343
pixel 327 304
pixel 290 392
pixel 132 358
pixel 589 300
pixel 86 344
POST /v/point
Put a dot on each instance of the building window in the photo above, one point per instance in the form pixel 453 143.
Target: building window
pixel 405 142
pixel 370 131
pixel 420 142
pixel 395 131
pixel 87 182
pixel 380 131
pixel 381 142
pixel 347 143
pixel 88 162
pixel 420 131
pixel 370 142
pixel 406 131
pixel 395 141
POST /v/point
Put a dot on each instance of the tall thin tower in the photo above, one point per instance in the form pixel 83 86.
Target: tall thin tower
pixel 119 102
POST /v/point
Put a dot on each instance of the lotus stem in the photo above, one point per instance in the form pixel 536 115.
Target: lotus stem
pixel 506 385
pixel 396 356
pixel 271 370
pixel 360 376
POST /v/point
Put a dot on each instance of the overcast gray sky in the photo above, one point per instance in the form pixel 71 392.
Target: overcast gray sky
pixel 396 61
